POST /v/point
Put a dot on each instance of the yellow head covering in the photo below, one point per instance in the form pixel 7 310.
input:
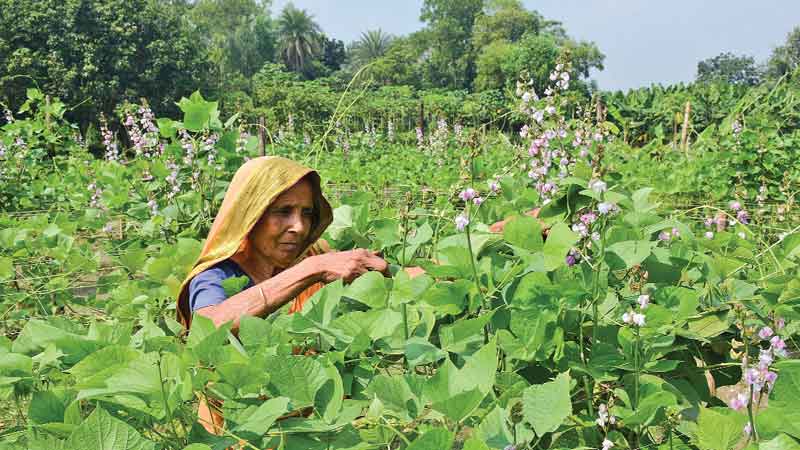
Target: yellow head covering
pixel 254 187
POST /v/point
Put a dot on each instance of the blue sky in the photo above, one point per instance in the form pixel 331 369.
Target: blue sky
pixel 645 41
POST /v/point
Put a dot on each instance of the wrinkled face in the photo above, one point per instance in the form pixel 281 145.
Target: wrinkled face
pixel 280 234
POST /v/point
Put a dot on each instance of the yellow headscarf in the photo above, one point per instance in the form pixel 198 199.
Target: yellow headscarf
pixel 254 187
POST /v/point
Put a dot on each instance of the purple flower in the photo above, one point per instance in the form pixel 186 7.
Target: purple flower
pixel 764 359
pixel 468 194
pixel 765 333
pixel 664 236
pixel 751 377
pixel 748 428
pixel 570 260
pixel 606 208
pixel 461 222
pixel 735 206
pixel 494 186
pixel 708 222
pixel 676 233
pixel 477 201
pixel 588 218
pixel 780 323
pixel 739 402
pixel 743 217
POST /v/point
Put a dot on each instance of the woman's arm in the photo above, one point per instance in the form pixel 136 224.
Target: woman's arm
pixel 285 286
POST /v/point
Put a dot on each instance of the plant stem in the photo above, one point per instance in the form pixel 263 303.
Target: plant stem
pixel 477 280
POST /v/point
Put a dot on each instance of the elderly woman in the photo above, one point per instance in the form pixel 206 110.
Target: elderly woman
pixel 267 229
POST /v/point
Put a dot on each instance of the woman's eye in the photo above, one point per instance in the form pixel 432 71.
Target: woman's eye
pixel 308 213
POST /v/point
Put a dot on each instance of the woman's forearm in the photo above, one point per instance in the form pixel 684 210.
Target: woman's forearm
pixel 277 291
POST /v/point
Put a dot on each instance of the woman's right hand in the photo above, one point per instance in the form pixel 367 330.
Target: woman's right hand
pixel 348 265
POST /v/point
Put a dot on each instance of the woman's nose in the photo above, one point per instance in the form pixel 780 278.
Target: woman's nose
pixel 297 223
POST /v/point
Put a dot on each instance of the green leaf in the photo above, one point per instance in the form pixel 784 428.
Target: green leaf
pixel 493 429
pixel 717 431
pixel 545 406
pixel 259 421
pixel 46 407
pixel 6 268
pixel 419 351
pixel 101 431
pixel 780 442
pixel 369 289
pixel 395 394
pixel 457 338
pixel 296 377
pixel 234 285
pixel 524 232
pixel 461 405
pixel 559 241
pixel 626 254
pixel 435 439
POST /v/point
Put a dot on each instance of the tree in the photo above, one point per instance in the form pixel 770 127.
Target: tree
pixel 451 60
pixel 729 68
pixel 785 58
pixel 251 45
pixel 299 37
pixel 98 54
pixel 505 20
pixel 372 45
pixel 334 54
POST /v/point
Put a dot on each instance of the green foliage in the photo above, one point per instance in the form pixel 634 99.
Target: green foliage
pixel 729 68
pixel 97 54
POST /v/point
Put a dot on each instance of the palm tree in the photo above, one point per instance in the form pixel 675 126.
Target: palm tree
pixel 299 37
pixel 372 45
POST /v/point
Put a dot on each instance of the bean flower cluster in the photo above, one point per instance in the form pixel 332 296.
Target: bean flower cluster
pixel 721 222
pixel 472 197
pixel 143 132
pixel 758 378
pixel 637 319
pixel 110 144
pixel 96 193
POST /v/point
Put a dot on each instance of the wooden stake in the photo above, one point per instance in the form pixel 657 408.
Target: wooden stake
pixel 685 131
pixel 262 137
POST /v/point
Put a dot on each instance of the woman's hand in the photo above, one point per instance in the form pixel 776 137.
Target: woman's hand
pixel 348 265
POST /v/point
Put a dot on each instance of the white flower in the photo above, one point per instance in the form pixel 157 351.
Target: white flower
pixel 461 222
pixel 627 317
pixel 643 301
pixel 606 207
pixel 709 235
pixel 598 186
pixel 638 319
pixel 607 444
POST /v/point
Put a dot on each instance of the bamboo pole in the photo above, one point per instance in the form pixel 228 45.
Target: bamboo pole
pixel 685 131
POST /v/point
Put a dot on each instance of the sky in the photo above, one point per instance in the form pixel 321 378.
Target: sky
pixel 645 41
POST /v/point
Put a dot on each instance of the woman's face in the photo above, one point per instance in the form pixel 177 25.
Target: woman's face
pixel 280 234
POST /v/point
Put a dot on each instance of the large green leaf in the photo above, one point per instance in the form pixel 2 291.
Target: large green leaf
pixel 101 431
pixel 626 254
pixel 559 241
pixel 369 289
pixel 524 232
pixel 296 377
pixel 718 431
pixel 435 439
pixel 545 406
pixel 419 351
pixel 780 442
pixel 259 421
